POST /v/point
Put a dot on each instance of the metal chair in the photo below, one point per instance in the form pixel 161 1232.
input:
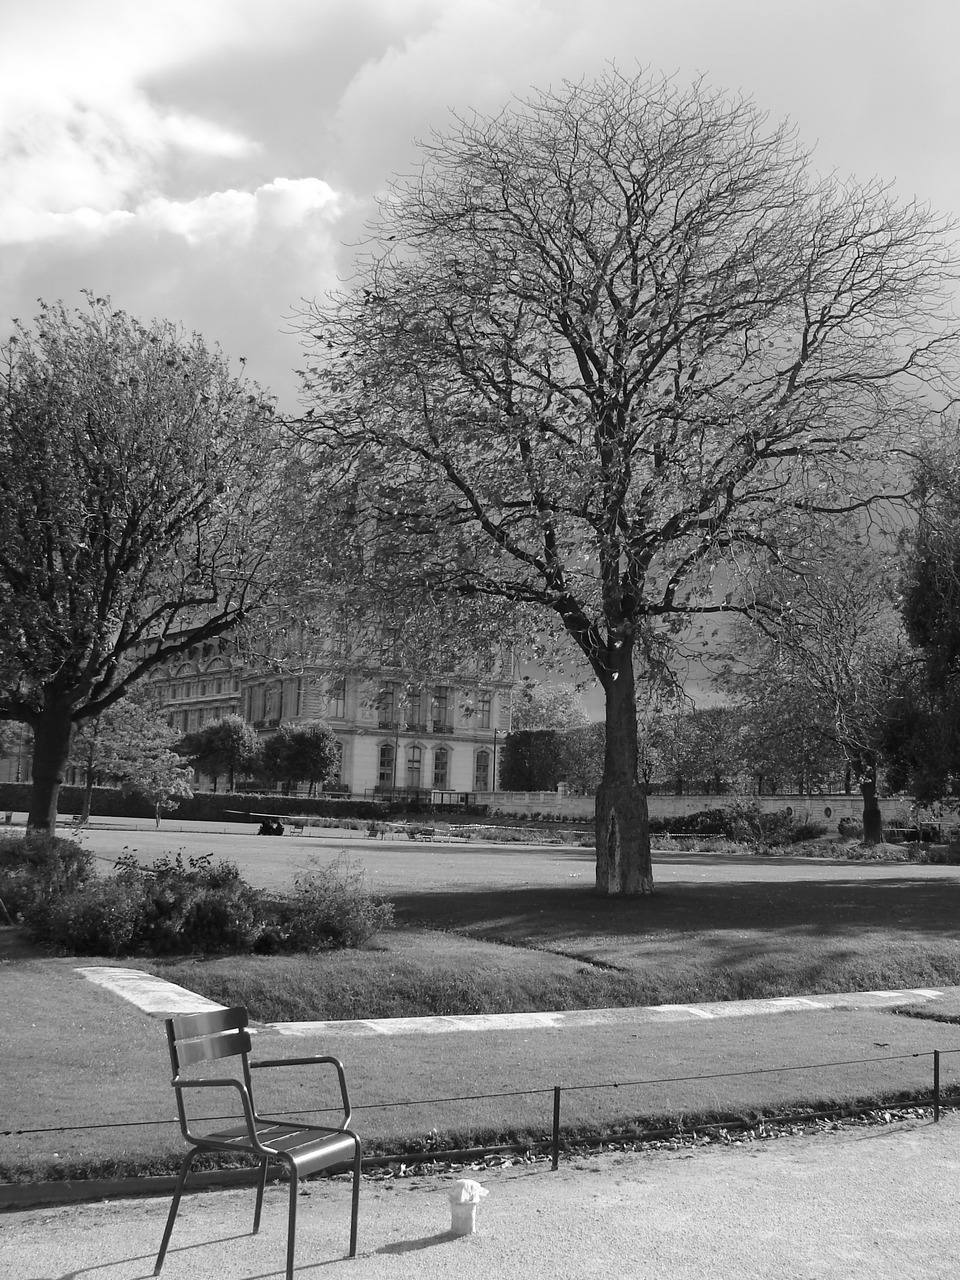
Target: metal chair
pixel 304 1148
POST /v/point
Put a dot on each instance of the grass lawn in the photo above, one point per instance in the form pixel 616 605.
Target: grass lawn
pixel 85 1057
pixel 705 937
pixel 493 929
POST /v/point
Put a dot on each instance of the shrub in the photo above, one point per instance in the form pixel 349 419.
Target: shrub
pixel 194 906
pixel 947 854
pixel 744 823
pixel 175 907
pixel 36 868
pixel 807 831
pixel 102 919
pixel 330 908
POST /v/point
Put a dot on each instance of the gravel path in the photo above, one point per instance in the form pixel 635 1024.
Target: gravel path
pixel 881 1203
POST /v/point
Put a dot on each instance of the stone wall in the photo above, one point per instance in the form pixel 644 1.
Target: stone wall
pixel 824 809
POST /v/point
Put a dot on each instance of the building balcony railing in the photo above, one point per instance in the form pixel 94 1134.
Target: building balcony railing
pixel 440 726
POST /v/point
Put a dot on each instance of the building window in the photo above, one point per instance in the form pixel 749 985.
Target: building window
pixel 441 769
pixel 341 638
pixel 386 703
pixel 415 709
pixel 336 773
pixel 484 703
pixel 337 700
pixel 442 709
pixel 414 767
pixel 385 771
pixel 390 647
pixel 481 777
pixel 271 709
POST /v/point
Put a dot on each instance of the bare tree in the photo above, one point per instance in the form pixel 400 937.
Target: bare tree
pixel 606 341
pixel 138 515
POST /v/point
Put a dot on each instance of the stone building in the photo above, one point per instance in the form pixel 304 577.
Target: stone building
pixel 400 728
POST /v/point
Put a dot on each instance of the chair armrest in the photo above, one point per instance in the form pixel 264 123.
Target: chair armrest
pixel 310 1062
pixel 248 1113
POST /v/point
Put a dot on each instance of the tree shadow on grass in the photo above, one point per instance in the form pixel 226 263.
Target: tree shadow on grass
pixel 545 916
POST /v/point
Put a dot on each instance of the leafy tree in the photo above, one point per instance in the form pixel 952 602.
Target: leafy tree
pixel 138 515
pixel 604 341
pixel 924 732
pixel 713 747
pixel 537 705
pixel 301 753
pixel 788 739
pixel 114 746
pixel 158 774
pixel 228 745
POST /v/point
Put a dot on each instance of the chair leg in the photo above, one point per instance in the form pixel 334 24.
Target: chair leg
pixel 172 1215
pixel 355 1201
pixel 260 1189
pixel 292 1219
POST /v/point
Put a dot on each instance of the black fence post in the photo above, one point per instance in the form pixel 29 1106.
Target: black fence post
pixel 936 1085
pixel 556 1128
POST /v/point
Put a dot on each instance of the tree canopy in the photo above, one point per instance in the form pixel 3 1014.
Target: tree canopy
pixel 307 752
pixel 228 745
pixel 608 340
pixel 138 514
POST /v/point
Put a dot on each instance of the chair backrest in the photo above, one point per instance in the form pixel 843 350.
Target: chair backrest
pixel 203 1037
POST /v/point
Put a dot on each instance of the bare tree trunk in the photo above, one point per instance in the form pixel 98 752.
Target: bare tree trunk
pixel 622 821
pixel 51 750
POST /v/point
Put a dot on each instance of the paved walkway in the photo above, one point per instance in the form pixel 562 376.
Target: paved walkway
pixel 156 996
pixel 855 1204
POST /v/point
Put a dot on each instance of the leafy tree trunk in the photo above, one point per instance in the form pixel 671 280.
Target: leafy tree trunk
pixel 51 750
pixel 622 823
pixel 87 802
pixel 872 818
pixel 89 776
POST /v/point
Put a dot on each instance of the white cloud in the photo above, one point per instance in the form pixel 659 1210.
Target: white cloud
pixel 228 217
pixel 79 128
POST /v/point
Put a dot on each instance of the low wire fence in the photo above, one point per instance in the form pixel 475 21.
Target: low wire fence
pixel 553 1103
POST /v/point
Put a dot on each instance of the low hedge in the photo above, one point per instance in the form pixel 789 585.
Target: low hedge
pixel 205 806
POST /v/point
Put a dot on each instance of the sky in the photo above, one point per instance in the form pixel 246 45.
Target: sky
pixel 214 162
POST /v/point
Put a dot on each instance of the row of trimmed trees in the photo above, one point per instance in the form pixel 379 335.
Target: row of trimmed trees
pixel 295 753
